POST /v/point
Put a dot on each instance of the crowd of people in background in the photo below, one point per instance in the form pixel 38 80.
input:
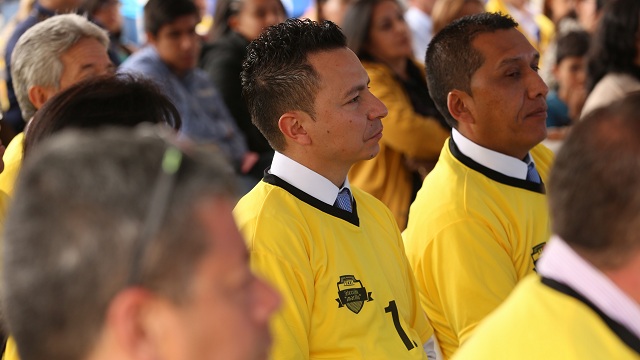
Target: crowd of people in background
pixel 349 179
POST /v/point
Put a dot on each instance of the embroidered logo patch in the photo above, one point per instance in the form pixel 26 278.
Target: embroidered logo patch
pixel 352 294
pixel 536 252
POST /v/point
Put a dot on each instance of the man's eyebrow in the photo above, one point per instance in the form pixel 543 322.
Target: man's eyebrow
pixel 536 57
pixel 91 66
pixel 517 59
pixel 509 61
pixel 87 66
pixel 356 88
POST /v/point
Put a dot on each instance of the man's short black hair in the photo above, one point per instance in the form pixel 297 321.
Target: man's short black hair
pixel 451 60
pixel 158 13
pixel 277 76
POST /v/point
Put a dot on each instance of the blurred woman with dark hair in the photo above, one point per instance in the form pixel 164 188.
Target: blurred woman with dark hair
pixel 613 61
pixel 116 100
pixel 414 130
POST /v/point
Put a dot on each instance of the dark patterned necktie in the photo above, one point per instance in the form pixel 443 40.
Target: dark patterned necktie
pixel 532 173
pixel 344 200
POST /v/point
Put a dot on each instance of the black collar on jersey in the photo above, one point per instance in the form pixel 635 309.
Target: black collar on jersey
pixel 494 175
pixel 627 337
pixel 350 217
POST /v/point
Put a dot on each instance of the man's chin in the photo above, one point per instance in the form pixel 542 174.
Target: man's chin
pixel 190 64
pixel 373 153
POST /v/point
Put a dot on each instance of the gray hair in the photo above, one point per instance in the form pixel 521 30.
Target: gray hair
pixel 36 57
pixel 81 204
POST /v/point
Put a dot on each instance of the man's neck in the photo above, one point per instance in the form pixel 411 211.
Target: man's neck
pixel 468 133
pixel 627 278
pixel 334 173
pixel 489 158
pixel 180 74
pixel 106 348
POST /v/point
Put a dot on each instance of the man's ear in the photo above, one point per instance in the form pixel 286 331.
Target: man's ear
pixel 127 322
pixel 555 71
pixel 38 95
pixel 292 125
pixel 459 104
pixel 232 22
pixel 151 39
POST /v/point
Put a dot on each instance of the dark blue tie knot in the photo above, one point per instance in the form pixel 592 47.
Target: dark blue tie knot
pixel 532 173
pixel 343 201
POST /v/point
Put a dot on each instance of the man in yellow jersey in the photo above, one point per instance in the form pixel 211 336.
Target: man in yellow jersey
pixel 480 221
pixel 584 303
pixel 334 252
pixel 121 246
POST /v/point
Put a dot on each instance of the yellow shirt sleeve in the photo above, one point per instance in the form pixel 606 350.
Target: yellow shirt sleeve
pixel 11 350
pixel 12 159
pixel 484 272
pixel 12 163
pixel 405 131
pixel 292 324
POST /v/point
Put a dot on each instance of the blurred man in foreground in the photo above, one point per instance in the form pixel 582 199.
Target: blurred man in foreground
pixel 138 256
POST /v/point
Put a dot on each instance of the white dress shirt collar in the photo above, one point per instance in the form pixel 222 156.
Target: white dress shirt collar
pixel 559 262
pixel 305 179
pixel 504 164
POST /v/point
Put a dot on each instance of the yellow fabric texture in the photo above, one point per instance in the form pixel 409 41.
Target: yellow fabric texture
pixel 12 159
pixel 537 322
pixel 546 26
pixel 310 255
pixel 11 350
pixel 4 203
pixel 12 163
pixel 470 239
pixel 405 134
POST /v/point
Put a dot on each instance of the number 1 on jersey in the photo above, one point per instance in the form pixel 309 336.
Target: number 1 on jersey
pixel 393 309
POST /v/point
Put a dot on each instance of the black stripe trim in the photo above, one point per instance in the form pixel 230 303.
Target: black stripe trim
pixel 627 337
pixel 494 175
pixel 350 217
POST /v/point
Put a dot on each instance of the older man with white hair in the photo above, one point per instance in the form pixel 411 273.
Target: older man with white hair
pixel 49 57
pixel 42 10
